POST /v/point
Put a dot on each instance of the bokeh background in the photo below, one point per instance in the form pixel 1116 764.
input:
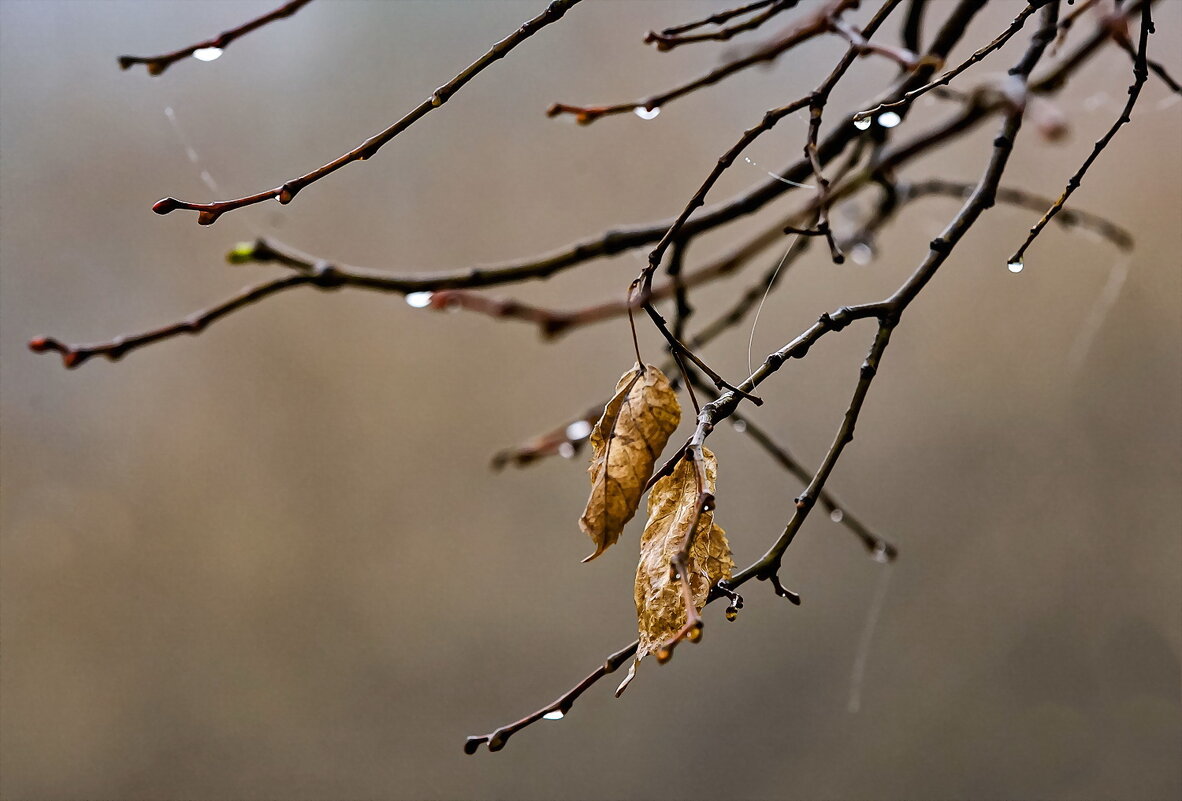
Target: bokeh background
pixel 272 562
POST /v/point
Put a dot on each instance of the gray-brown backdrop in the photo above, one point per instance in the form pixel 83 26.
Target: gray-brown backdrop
pixel 271 561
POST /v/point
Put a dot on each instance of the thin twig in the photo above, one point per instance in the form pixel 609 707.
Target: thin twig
pixel 913 25
pixel 1120 237
pixel 901 56
pixel 1140 75
pixel 555 710
pixel 208 213
pixel 76 355
pixel 158 64
pixel 670 38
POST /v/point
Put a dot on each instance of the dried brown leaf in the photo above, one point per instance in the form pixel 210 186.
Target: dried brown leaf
pixel 627 440
pixel 660 599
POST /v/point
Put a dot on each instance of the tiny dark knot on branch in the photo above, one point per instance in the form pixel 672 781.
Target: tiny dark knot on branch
pixel 838 320
pixel 287 192
pixel 155 66
pixel 940 245
pixel 326 276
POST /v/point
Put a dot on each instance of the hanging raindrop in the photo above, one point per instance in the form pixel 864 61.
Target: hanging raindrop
pixel 418 300
pixel 862 254
pixel 207 53
pixel 647 113
pixel 889 119
pixel 1015 266
pixel 578 430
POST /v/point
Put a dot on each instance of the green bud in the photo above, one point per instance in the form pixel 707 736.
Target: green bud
pixel 243 253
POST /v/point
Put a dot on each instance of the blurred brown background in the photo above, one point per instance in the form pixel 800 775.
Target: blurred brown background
pixel 271 561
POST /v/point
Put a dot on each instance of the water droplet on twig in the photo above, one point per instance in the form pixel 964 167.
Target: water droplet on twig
pixel 837 515
pixel 578 430
pixel 207 53
pixel 1015 266
pixel 862 124
pixel 556 714
pixel 861 253
pixel 418 300
pixel 889 119
pixel 647 113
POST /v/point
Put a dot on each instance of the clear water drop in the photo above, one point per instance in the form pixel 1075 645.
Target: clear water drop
pixel 861 253
pixel 837 515
pixel 557 714
pixel 1095 101
pixel 566 450
pixel 739 425
pixel 880 554
pixel 647 113
pixel 577 430
pixel 1015 266
pixel 207 53
pixel 889 119
pixel 418 300
pixel 862 124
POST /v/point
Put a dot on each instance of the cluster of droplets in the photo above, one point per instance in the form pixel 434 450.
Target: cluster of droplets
pixel 887 119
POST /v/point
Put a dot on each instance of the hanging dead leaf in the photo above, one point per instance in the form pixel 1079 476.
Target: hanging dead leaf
pixel 627 440
pixel 660 599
